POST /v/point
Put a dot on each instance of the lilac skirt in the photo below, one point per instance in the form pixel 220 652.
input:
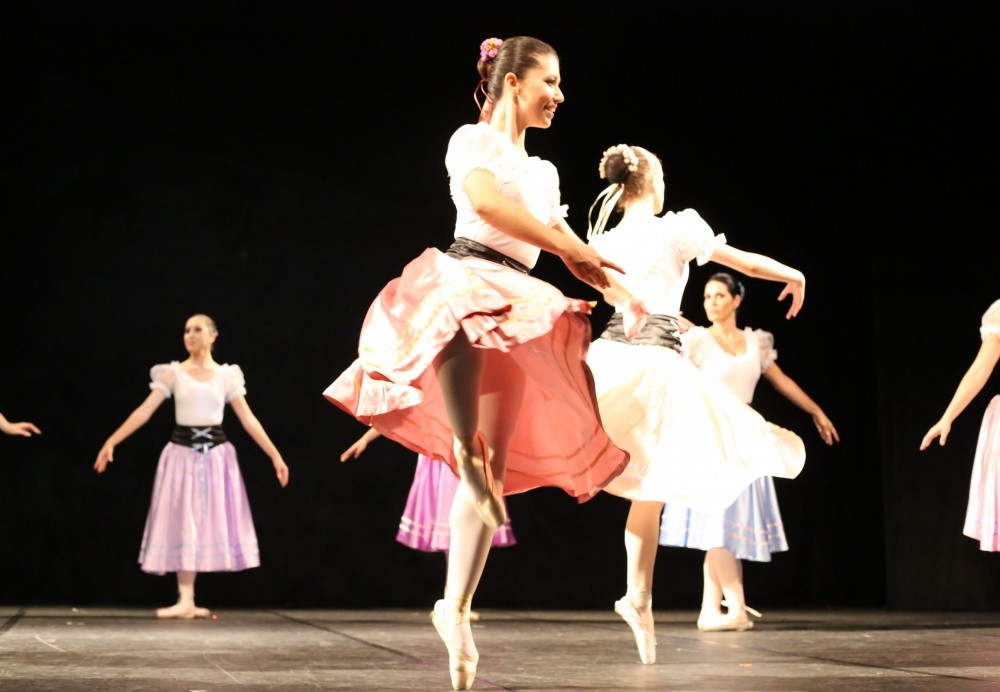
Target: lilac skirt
pixel 424 524
pixel 199 518
pixel 982 517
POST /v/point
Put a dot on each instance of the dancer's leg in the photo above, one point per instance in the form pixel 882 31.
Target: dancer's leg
pixel 711 595
pixel 185 608
pixel 471 393
pixel 728 571
pixel 642 529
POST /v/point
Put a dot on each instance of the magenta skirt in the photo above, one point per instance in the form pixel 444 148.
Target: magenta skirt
pixel 530 330
pixel 424 524
pixel 982 516
pixel 199 518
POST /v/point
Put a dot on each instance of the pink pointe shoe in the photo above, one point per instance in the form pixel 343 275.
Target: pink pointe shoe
pixel 642 628
pixel 451 620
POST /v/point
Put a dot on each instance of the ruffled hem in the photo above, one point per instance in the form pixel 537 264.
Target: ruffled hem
pixel 750 528
pixel 692 441
pixel 528 329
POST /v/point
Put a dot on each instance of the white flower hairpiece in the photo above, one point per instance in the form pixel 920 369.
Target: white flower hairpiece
pixel 627 154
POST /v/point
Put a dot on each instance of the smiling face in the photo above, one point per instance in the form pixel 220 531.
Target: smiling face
pixel 720 304
pixel 538 93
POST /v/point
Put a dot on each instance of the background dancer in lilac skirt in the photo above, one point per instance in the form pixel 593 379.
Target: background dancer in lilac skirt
pixel 982 516
pixel 199 518
pixel 751 527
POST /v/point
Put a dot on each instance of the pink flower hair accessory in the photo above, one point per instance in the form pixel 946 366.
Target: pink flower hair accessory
pixel 489 48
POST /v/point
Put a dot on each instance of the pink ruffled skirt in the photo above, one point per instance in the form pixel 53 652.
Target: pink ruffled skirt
pixel 424 524
pixel 199 518
pixel 530 331
pixel 982 516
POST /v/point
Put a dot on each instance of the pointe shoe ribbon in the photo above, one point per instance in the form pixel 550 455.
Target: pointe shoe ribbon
pixel 487 501
pixel 645 639
pixel 448 621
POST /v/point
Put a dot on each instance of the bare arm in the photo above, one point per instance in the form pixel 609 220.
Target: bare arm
pixel 22 428
pixel 514 220
pixel 253 427
pixel 135 420
pixel 970 385
pixel 360 445
pixel 762 267
pixel 790 389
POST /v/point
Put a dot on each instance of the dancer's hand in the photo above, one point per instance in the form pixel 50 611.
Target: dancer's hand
pixel 104 457
pixel 940 430
pixel 587 265
pixel 359 445
pixel 825 428
pixel 280 470
pixel 634 314
pixel 23 428
pixel 683 323
pixel 797 290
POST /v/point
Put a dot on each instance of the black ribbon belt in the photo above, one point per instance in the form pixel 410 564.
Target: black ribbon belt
pixel 659 330
pixel 464 247
pixel 200 438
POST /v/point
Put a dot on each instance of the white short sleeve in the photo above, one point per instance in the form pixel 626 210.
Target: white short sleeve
pixel 694 344
pixel 469 148
pixel 235 383
pixel 695 239
pixel 163 379
pixel 991 321
pixel 765 341
pixel 548 176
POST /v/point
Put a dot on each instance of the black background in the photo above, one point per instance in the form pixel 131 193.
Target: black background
pixel 274 164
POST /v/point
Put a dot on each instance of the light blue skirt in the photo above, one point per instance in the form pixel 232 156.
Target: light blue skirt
pixel 750 528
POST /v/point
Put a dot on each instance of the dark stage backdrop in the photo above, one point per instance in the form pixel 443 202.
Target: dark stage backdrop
pixel 274 164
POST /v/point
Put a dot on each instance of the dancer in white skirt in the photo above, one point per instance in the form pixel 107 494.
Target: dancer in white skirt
pixel 751 527
pixel 691 440
pixel 982 517
pixel 199 518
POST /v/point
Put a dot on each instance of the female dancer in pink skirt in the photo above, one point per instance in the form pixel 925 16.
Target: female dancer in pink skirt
pixel 468 359
pixel 982 516
pixel 199 518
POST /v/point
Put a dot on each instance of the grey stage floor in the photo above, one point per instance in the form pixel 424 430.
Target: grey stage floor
pixel 53 648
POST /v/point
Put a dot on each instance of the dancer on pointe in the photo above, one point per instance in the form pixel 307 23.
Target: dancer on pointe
pixel 691 440
pixel 468 359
